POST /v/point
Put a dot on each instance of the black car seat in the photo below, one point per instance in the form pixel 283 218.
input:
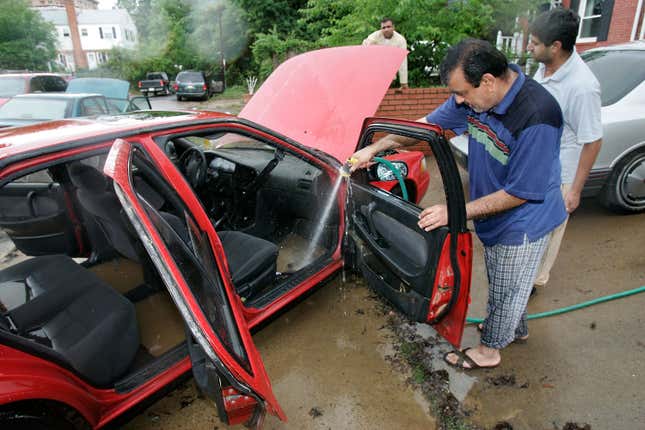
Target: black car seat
pixel 252 261
pixel 90 326
pixel 99 201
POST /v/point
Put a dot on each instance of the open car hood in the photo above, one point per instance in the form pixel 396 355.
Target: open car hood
pixel 110 88
pixel 321 98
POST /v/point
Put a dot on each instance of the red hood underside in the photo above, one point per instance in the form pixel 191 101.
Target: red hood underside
pixel 321 98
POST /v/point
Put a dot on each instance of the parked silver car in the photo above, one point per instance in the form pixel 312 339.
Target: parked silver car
pixel 618 175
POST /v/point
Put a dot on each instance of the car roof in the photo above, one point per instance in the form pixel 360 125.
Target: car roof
pixel 41 137
pixel 28 75
pixel 638 45
pixel 56 95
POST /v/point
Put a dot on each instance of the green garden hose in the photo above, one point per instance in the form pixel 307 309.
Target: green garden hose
pixel 397 173
pixel 573 307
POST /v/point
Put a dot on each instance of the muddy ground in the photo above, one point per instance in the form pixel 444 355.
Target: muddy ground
pixel 342 360
pixel 339 361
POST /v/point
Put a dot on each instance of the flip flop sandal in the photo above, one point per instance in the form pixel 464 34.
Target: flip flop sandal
pixel 518 340
pixel 464 358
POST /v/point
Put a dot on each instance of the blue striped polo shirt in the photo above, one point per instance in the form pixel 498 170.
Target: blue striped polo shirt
pixel 514 146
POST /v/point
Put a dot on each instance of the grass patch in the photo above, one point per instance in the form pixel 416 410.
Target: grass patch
pixel 233 92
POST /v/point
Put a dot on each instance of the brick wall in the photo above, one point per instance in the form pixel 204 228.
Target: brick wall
pixel 412 104
pixel 620 27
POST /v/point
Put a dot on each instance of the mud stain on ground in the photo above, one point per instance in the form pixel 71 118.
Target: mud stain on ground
pixel 326 361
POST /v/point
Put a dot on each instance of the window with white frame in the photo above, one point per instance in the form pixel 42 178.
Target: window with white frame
pixel 65 32
pixel 83 31
pixel 590 12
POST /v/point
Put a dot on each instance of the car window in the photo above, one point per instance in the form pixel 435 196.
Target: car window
pixel 618 72
pixel 38 84
pixel 55 84
pixel 152 76
pixel 11 86
pixel 191 251
pixel 190 76
pixel 34 108
pixel 92 106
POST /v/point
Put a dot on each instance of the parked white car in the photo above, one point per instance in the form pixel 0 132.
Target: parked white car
pixel 618 175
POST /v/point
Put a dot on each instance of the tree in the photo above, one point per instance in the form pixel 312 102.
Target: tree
pixel 26 40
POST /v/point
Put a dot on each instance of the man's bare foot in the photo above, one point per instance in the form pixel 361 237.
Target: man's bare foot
pixel 472 358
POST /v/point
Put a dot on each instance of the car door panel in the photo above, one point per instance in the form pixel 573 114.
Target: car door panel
pixel 426 275
pixel 35 217
pixel 222 353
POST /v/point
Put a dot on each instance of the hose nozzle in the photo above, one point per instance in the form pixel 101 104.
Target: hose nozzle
pixel 346 169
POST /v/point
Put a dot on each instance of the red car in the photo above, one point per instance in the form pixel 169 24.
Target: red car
pixel 151 244
pixel 13 84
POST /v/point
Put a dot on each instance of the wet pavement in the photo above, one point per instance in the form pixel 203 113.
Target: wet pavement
pixel 326 358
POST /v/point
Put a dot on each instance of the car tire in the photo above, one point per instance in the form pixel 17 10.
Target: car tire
pixel 179 98
pixel 624 191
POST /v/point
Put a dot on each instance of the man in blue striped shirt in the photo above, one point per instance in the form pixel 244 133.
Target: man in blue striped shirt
pixel 514 128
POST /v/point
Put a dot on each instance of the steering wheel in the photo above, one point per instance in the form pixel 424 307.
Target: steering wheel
pixel 192 164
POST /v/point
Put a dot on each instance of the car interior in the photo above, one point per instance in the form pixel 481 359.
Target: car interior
pixel 80 289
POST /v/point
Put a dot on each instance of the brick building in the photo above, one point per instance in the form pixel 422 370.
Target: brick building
pixel 608 22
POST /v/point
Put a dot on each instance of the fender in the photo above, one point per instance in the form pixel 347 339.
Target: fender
pixel 26 377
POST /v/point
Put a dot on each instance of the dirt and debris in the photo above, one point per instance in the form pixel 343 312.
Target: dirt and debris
pixel 411 352
pixel 501 380
pixel 576 426
pixel 315 412
pixel 503 425
pixel 592 325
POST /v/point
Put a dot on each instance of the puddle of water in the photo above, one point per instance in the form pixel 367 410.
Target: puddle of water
pixel 330 357
pixel 325 360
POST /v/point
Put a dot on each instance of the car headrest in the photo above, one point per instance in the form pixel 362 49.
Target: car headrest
pixel 87 177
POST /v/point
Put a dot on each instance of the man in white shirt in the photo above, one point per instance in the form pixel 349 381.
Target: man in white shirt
pixel 563 73
pixel 387 36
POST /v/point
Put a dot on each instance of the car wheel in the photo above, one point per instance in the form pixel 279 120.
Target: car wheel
pixel 178 98
pixel 624 191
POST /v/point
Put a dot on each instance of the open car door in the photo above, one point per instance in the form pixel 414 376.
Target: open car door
pixel 188 255
pixel 426 275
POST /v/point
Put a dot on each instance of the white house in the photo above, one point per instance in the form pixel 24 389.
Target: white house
pixel 99 31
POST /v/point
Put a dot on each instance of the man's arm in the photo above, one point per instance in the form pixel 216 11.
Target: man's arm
pixel 364 156
pixel 372 39
pixel 437 215
pixel 587 158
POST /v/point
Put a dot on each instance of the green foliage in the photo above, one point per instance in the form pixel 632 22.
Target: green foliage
pixel 26 40
pixel 257 36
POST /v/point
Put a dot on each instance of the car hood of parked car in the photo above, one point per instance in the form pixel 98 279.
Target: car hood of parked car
pixel 108 87
pixel 321 98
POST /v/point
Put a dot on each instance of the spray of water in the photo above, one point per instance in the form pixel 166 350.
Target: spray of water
pixel 319 229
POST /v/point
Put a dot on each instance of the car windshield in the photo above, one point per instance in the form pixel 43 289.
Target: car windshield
pixel 154 76
pixel 618 72
pixel 190 77
pixel 34 108
pixel 10 87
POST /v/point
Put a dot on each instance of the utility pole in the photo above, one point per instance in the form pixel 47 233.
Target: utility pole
pixel 80 60
pixel 220 11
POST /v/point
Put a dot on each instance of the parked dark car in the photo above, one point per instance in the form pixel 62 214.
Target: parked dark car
pixel 151 245
pixel 32 108
pixel 193 84
pixel 155 83
pixel 21 83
